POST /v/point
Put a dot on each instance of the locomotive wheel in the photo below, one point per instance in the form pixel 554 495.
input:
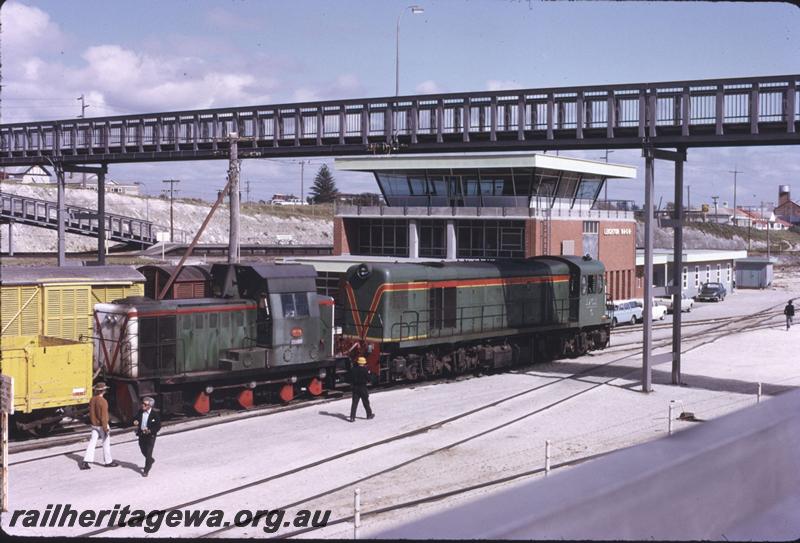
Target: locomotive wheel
pixel 202 403
pixel 245 399
pixel 555 347
pixel 581 344
pixel 412 372
pixel 315 387
pixel 287 393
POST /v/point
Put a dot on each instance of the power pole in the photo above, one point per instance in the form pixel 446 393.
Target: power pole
pixel 689 198
pixel 302 175
pixel 172 190
pixel 716 217
pixel 84 105
pixel 247 189
pixel 735 171
pixel 233 181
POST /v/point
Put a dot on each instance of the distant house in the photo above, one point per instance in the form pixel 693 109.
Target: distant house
pixel 787 210
pixel 26 174
pixel 760 220
pixel 112 185
pixel 722 215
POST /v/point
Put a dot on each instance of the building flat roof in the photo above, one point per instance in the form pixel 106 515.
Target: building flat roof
pixel 340 264
pixel 691 255
pixel 370 163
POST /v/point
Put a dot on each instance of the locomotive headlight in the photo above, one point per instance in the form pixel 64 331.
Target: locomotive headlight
pixel 293 379
pixel 209 390
pixel 363 271
pixel 297 332
pixel 322 374
pixel 251 385
pixel 338 330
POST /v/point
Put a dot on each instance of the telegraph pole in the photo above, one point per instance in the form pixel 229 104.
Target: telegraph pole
pixel 716 217
pixel 233 180
pixel 735 171
pixel 302 179
pixel 84 105
pixel 247 189
pixel 172 190
pixel 689 198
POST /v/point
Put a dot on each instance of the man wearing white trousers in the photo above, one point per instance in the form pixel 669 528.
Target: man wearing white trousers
pixel 98 415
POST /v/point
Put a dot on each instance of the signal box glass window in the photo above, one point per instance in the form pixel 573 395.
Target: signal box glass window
pixel 295 305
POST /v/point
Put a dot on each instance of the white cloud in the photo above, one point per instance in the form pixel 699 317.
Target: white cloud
pixel 428 87
pixel 496 84
pixel 27 29
pixel 304 95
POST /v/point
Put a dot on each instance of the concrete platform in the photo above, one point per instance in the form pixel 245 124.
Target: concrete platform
pixel 249 463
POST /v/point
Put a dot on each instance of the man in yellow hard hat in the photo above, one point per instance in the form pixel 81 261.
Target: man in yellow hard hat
pixel 359 377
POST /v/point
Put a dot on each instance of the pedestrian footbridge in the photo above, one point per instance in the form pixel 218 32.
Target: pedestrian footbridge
pixel 78 220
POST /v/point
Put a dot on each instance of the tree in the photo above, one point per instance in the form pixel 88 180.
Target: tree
pixel 324 188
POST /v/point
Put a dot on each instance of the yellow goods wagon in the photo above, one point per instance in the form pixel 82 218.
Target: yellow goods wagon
pixel 59 302
pixel 52 379
pixel 46 320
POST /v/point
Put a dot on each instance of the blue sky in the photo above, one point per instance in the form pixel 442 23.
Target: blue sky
pixel 131 57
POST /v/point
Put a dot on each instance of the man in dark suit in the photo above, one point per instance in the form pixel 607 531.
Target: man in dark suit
pixel 148 423
pixel 359 377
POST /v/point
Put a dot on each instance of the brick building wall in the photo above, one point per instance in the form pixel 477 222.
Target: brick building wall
pixel 341 245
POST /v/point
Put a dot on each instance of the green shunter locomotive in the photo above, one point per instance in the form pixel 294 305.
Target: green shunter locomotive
pixel 267 332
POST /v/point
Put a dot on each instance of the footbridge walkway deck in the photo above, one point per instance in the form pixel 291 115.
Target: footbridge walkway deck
pixel 78 220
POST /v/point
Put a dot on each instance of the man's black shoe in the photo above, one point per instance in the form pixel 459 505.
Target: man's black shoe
pixel 352 419
pixel 371 416
pixel 111 465
pixel 145 473
pixel 84 465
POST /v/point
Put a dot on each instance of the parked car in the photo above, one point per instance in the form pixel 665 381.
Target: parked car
pixel 624 312
pixel 712 292
pixel 686 303
pixel 289 202
pixel 658 310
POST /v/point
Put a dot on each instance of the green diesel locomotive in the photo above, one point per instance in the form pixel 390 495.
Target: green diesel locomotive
pixel 415 321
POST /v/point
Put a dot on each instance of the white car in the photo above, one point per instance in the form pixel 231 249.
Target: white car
pixel 624 311
pixel 686 303
pixel 658 310
pixel 290 202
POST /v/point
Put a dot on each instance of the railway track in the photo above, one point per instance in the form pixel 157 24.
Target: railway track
pixel 76 432
pixel 760 321
pixel 697 340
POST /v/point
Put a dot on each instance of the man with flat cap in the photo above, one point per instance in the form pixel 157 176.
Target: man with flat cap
pixel 98 416
pixel 359 377
pixel 148 423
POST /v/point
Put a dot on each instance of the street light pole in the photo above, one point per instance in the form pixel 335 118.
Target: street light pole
pixel 735 171
pixel 416 10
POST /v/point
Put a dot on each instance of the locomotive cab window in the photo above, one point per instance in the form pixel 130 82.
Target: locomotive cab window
pixel 593 285
pixel 295 305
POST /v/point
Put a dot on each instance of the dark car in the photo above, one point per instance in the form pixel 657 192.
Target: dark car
pixel 712 292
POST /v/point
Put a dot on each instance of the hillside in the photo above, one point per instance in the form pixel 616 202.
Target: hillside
pixel 260 224
pixel 720 236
